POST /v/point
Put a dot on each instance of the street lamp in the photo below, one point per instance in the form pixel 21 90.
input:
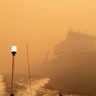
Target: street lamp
pixel 13 51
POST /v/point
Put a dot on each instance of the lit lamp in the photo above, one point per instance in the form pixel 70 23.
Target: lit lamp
pixel 13 51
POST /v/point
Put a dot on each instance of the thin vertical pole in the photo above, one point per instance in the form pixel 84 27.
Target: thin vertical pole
pixel 29 69
pixel 12 78
pixel 61 94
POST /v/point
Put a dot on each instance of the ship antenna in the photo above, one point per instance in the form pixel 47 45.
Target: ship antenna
pixel 29 71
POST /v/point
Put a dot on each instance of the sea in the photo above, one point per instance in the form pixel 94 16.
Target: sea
pixel 39 86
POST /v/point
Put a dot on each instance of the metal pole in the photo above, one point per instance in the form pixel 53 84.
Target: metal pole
pixel 61 94
pixel 29 70
pixel 12 78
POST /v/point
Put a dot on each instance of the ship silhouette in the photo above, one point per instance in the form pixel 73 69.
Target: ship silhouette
pixel 74 68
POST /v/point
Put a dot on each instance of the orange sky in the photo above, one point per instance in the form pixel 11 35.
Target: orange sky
pixel 41 23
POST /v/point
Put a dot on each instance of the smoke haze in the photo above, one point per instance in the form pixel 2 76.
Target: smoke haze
pixel 42 24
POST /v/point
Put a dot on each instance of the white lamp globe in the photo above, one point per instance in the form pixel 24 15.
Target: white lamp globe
pixel 14 49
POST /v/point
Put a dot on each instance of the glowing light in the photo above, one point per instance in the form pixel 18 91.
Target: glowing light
pixel 14 49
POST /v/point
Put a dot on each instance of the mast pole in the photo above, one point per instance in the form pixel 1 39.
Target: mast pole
pixel 29 71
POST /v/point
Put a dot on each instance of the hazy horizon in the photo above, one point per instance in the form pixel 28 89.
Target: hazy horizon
pixel 42 24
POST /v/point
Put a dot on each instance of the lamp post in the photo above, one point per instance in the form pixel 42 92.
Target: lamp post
pixel 13 51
